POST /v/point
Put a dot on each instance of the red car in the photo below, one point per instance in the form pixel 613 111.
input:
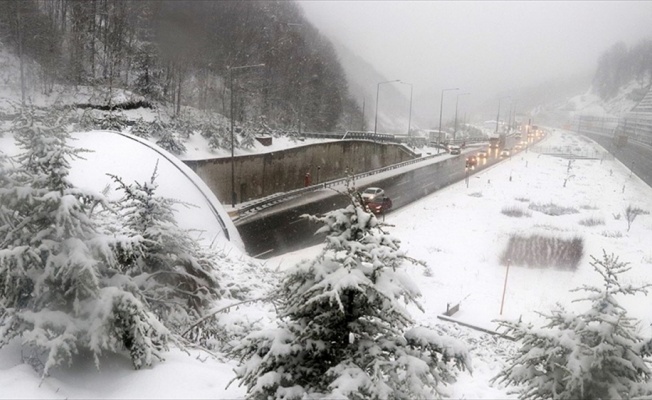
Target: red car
pixel 471 161
pixel 379 205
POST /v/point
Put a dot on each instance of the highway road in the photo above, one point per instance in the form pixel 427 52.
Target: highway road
pixel 635 155
pixel 281 229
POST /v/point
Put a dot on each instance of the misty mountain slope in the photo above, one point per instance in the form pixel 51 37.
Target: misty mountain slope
pixel 363 79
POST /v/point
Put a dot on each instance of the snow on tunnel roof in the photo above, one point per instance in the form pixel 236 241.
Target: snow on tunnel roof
pixel 134 159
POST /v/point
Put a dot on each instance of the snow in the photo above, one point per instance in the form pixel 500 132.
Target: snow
pixel 590 104
pixel 197 147
pixel 459 232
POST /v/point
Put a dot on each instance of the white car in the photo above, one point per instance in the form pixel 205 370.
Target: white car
pixel 371 193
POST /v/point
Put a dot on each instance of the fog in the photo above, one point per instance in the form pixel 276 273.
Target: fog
pixel 487 48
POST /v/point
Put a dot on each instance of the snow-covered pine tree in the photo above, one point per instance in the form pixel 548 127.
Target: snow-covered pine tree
pixel 219 135
pixel 344 331
pixel 597 354
pixel 59 289
pixel 174 274
pixel 171 142
pixel 5 213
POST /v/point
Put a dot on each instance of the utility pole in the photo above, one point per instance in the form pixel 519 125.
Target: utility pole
pixel 231 69
pixel 362 120
pixel 441 108
pixel 377 92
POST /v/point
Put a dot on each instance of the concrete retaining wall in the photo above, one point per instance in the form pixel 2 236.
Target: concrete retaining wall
pixel 261 175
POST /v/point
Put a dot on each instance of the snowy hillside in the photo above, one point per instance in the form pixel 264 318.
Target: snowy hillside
pixel 461 233
pixel 590 104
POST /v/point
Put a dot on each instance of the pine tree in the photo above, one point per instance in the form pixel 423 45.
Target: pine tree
pixel 5 181
pixel 174 274
pixel 597 354
pixel 60 290
pixel 171 142
pixel 343 329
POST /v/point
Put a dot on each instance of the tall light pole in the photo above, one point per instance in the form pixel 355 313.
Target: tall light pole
pixel 377 90
pixel 512 115
pixel 441 109
pixel 410 115
pixel 231 69
pixel 498 116
pixel 457 100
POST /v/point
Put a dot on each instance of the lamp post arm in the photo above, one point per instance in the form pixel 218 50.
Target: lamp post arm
pixel 232 117
pixel 410 115
pixel 377 92
pixel 376 112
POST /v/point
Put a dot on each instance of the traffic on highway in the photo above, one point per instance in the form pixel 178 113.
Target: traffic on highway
pixel 282 228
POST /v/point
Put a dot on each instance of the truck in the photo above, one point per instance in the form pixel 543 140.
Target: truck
pixel 496 141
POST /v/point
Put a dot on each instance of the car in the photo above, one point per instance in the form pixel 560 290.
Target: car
pixel 471 161
pixel 455 150
pixel 379 205
pixel 505 153
pixel 371 193
pixel 482 154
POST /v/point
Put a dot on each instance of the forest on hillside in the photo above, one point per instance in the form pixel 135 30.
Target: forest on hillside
pixel 620 65
pixel 185 53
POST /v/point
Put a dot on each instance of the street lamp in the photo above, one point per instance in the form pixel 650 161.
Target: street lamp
pixel 456 103
pixel 512 115
pixel 377 90
pixel 498 116
pixel 231 69
pixel 441 108
pixel 410 115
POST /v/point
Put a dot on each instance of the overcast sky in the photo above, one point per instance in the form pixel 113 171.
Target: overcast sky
pixel 481 45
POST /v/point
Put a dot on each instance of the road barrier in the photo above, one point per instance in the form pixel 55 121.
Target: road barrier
pixel 266 202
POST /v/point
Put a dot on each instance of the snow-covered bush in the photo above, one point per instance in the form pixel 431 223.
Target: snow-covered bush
pixel 631 212
pixel 552 209
pixel 538 250
pixel 515 211
pixel 93 119
pixel 61 289
pixel 175 275
pixel 597 354
pixel 219 136
pixel 343 328
pixel 170 141
pixel 141 129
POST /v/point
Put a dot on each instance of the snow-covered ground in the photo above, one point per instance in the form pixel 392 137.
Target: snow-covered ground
pixel 460 232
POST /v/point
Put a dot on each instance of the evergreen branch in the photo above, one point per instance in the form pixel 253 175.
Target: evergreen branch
pixel 203 319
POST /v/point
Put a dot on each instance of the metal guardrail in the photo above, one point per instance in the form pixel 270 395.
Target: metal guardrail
pixel 261 204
